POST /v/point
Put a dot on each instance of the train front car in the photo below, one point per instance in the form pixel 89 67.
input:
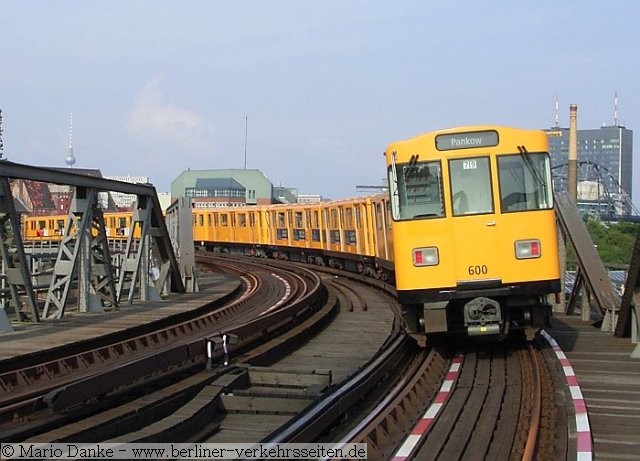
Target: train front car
pixel 474 230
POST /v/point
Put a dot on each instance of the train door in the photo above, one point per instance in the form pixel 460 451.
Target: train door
pixel 473 221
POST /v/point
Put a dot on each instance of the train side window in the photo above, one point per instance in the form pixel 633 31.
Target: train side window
pixel 378 216
pixel 209 220
pixel 350 237
pixel 470 186
pixel 200 220
pixel 215 220
pixel 224 220
pixel 242 220
pixel 348 216
pixel 281 221
pixel 334 218
pixel 335 236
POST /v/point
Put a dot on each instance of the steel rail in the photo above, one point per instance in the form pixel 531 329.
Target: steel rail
pixel 320 416
pixel 534 425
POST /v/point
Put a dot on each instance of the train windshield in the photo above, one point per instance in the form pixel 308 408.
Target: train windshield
pixel 416 190
pixel 525 182
pixel 471 186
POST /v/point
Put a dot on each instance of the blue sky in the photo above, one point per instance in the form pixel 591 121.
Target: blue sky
pixel 156 87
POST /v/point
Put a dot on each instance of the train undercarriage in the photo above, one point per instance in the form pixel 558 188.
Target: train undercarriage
pixel 477 316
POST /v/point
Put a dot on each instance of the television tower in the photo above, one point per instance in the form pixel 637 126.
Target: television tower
pixel 70 159
pixel 1 143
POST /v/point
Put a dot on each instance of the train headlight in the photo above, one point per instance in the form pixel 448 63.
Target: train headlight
pixel 425 256
pixel 528 249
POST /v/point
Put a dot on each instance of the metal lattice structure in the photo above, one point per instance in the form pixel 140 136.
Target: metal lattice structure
pixel 14 260
pixel 83 255
pixel 611 201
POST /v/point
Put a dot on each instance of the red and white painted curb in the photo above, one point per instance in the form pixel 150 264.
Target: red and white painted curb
pixel 421 427
pixel 583 436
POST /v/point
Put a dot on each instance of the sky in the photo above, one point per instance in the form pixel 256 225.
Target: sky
pixel 310 93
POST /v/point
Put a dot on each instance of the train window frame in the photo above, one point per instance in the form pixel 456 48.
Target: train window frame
pixel 536 192
pixel 465 200
pixel 427 196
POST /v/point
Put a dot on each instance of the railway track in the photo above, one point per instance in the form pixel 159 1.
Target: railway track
pixel 227 388
pixel 65 378
pixel 494 402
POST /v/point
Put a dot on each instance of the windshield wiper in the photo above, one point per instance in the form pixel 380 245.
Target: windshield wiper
pixel 526 158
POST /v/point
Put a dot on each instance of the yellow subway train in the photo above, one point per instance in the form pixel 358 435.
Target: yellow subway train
pixel 352 234
pixel 51 227
pixel 467 231
pixel 474 230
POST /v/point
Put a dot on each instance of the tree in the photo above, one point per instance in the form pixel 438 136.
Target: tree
pixel 614 242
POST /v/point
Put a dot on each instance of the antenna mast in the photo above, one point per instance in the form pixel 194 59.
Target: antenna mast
pixel 557 112
pixel 246 122
pixel 615 109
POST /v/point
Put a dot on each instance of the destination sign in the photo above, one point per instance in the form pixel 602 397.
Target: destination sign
pixel 466 140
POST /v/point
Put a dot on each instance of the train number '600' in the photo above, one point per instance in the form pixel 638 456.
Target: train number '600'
pixel 478 270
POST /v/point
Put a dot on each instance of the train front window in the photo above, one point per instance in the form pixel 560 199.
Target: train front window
pixel 470 186
pixel 525 182
pixel 416 190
